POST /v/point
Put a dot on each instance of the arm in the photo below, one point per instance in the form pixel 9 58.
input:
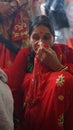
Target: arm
pixel 50 58
pixel 7 8
pixel 68 57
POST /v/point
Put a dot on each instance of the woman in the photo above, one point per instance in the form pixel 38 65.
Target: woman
pixel 13 29
pixel 44 99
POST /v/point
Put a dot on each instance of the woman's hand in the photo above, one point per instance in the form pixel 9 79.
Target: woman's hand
pixel 7 8
pixel 4 7
pixel 22 2
pixel 49 58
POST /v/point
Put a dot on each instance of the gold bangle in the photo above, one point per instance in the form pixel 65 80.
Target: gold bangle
pixel 65 68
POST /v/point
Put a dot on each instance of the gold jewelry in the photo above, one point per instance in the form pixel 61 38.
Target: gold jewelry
pixel 65 68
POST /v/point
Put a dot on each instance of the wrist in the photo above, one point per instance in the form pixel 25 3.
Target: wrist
pixel 21 2
pixel 63 68
pixel 14 3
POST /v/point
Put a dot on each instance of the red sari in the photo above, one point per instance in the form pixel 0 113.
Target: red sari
pixel 6 56
pixel 47 97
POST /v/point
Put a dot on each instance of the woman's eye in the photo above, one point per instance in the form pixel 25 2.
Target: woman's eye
pixel 35 37
pixel 46 38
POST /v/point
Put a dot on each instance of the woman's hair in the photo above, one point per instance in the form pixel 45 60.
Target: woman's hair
pixel 41 20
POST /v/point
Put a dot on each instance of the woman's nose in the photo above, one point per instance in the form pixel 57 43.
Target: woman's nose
pixel 40 43
pixel 41 40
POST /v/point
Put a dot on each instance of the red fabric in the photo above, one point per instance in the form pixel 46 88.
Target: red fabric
pixel 43 109
pixel 20 26
pixel 15 78
pixel 6 57
pixel 17 71
pixel 70 42
pixel 47 101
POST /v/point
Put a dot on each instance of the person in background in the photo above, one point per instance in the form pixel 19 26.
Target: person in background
pixel 13 29
pixel 34 6
pixel 42 6
pixel 13 37
pixel 56 11
pixel 41 80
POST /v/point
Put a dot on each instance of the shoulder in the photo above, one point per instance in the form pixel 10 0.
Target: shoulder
pixel 24 51
pixel 61 46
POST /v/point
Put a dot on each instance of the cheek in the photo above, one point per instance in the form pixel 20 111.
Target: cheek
pixel 30 40
pixel 51 42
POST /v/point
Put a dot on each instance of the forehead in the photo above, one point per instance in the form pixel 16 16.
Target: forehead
pixel 41 29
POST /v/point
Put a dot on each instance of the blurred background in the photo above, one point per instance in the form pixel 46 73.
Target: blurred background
pixel 60 11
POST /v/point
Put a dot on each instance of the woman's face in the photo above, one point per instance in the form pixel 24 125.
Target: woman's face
pixel 41 37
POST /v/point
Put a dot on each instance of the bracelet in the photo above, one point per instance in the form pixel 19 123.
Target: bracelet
pixel 65 68
pixel 18 2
